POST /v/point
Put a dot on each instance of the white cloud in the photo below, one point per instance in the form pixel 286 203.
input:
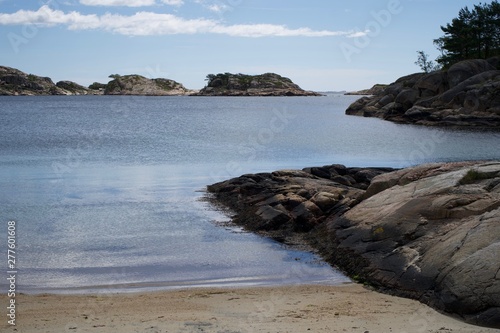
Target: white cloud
pixel 126 3
pixel 357 34
pixel 217 8
pixel 45 16
pixel 268 30
pixel 173 2
pixel 149 24
pixel 129 3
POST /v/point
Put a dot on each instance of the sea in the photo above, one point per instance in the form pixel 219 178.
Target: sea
pixel 105 192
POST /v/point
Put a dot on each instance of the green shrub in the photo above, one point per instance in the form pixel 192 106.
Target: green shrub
pixel 473 176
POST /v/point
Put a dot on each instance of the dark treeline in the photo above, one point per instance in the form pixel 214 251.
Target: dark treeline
pixel 474 34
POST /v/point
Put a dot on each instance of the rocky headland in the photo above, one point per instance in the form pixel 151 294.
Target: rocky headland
pixel 467 94
pixel 429 232
pixel 375 90
pixel 269 84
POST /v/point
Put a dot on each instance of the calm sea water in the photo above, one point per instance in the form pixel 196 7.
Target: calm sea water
pixel 105 190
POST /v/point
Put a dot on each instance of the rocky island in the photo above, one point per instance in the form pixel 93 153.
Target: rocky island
pixel 428 232
pixel 142 86
pixel 14 82
pixel 268 84
pixel 466 94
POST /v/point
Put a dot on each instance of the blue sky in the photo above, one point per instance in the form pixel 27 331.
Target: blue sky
pixel 320 44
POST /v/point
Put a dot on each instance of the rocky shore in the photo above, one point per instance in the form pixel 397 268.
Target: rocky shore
pixel 428 232
pixel 467 94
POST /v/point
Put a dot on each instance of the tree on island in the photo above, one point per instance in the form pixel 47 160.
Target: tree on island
pixel 425 64
pixel 474 34
pixel 210 78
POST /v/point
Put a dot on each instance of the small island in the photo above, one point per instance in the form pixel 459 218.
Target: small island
pixel 268 84
pixel 14 82
pixel 141 86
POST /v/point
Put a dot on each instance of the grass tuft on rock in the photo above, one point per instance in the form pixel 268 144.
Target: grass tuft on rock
pixel 472 176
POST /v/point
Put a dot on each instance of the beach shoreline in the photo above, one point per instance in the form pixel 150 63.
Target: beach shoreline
pixel 297 308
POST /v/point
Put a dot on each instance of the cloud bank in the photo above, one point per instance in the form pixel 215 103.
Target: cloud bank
pixel 153 24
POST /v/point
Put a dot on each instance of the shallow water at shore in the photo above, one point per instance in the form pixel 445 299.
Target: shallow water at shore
pixel 105 190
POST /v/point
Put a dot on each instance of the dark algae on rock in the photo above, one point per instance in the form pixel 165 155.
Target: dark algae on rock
pixel 430 232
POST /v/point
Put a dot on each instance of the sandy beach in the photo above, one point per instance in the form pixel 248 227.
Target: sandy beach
pixel 345 308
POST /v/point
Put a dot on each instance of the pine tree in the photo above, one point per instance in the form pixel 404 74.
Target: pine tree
pixel 474 34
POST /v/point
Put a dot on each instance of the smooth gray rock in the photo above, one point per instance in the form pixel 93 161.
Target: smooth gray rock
pixel 429 234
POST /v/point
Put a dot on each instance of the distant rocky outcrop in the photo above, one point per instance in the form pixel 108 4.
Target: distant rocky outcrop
pixel 429 232
pixel 375 90
pixel 467 94
pixel 72 88
pixel 14 82
pixel 140 85
pixel 268 84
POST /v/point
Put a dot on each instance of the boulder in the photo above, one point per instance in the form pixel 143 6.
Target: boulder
pixel 463 70
pixel 406 98
pixel 432 84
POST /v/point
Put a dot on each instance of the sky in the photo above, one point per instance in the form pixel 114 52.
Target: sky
pixel 322 45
